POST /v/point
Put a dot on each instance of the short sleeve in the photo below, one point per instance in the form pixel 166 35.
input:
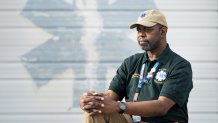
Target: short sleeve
pixel 118 82
pixel 179 83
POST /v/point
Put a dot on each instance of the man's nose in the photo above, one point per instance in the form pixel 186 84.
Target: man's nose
pixel 142 33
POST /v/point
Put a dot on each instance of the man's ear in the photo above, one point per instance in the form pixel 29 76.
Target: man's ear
pixel 163 31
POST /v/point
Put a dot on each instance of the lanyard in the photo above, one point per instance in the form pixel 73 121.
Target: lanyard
pixel 143 80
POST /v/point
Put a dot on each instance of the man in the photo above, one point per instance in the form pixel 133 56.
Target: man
pixel 155 84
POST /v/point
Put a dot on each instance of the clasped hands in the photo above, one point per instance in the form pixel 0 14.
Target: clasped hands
pixel 97 103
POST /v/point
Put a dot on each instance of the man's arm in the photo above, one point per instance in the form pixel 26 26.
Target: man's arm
pixel 150 108
pixel 112 94
pixel 107 103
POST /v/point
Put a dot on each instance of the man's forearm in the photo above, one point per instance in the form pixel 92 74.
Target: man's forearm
pixel 146 108
pixel 112 94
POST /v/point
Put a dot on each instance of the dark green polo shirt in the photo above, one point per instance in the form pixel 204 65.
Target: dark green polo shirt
pixel 173 79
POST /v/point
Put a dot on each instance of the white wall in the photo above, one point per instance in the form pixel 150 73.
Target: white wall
pixel 53 50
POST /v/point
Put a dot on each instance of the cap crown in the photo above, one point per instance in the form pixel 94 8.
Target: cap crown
pixel 150 18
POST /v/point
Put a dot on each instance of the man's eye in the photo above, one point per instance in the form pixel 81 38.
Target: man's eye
pixel 144 29
pixel 138 30
pixel 149 29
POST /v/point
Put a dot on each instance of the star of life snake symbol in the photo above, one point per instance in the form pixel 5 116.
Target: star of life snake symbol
pixel 161 76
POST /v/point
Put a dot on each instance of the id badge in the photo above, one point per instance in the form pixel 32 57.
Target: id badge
pixel 136 118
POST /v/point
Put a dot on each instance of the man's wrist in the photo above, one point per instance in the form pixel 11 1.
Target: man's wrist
pixel 117 107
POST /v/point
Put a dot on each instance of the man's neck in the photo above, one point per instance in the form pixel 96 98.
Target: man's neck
pixel 153 55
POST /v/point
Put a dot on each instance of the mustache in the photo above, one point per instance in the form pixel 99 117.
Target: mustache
pixel 143 40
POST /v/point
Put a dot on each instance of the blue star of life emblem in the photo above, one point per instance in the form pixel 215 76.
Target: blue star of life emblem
pixel 161 76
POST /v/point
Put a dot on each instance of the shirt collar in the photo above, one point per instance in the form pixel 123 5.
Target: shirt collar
pixel 162 58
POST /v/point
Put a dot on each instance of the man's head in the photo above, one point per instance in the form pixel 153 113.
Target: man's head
pixel 151 29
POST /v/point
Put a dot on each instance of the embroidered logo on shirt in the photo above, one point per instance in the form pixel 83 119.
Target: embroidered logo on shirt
pixel 160 76
pixel 135 75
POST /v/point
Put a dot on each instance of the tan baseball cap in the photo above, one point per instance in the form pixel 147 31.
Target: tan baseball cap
pixel 149 18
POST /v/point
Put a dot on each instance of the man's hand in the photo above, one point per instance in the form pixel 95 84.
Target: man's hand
pixel 91 102
pixel 110 105
pixel 95 103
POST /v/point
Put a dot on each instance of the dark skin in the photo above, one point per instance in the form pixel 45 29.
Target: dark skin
pixel 153 40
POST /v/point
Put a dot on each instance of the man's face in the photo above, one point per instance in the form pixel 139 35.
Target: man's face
pixel 149 38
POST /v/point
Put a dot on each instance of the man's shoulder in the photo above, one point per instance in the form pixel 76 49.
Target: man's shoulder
pixel 179 60
pixel 135 57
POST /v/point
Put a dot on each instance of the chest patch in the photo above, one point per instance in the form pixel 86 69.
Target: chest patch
pixel 160 76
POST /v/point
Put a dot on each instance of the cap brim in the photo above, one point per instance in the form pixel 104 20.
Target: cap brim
pixel 142 23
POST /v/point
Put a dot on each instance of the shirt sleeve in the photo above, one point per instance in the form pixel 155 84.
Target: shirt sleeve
pixel 118 82
pixel 178 84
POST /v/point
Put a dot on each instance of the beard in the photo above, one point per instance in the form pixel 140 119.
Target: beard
pixel 150 45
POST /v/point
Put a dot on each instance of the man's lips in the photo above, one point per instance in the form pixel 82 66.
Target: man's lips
pixel 143 41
